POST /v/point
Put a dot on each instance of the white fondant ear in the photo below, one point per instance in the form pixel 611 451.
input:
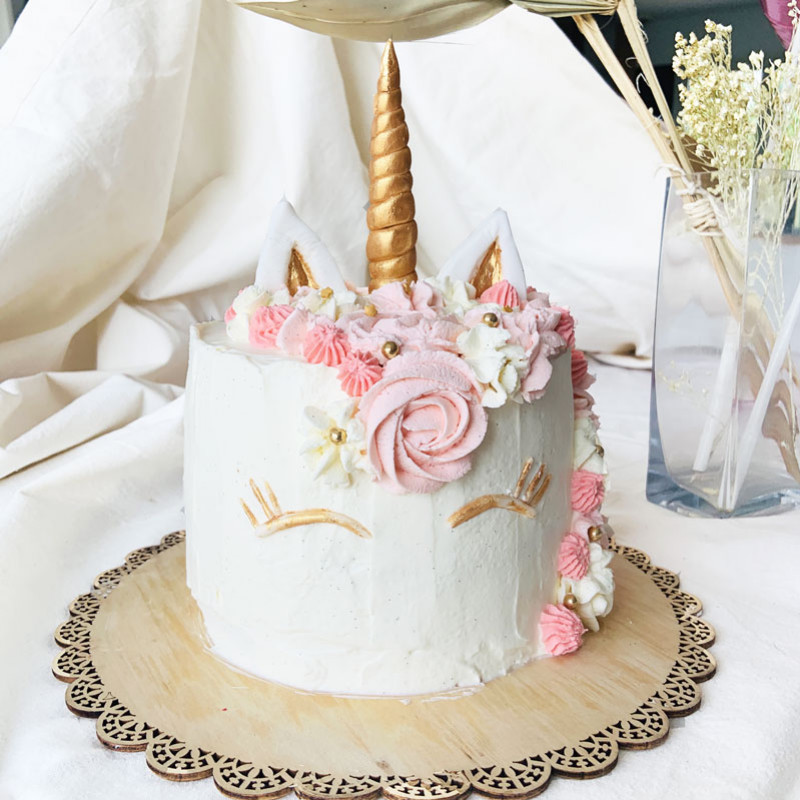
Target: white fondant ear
pixel 293 255
pixel 488 256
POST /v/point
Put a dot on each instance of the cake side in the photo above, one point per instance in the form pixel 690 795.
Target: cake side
pixel 420 606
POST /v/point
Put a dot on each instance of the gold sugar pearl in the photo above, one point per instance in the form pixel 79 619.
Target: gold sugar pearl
pixel 595 533
pixel 491 319
pixel 337 435
pixel 507 309
pixel 370 310
pixel 390 349
pixel 326 293
pixel 570 601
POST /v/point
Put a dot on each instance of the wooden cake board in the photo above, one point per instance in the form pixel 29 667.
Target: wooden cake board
pixel 136 658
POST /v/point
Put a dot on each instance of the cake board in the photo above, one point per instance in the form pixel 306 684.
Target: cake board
pixel 136 659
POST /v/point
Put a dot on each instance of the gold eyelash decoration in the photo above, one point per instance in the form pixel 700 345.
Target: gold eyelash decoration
pixel 278 520
pixel 518 501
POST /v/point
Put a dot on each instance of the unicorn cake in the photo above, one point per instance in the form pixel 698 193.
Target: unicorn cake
pixel 393 489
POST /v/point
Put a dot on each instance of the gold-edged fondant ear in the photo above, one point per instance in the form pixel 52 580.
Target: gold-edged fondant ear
pixel 299 273
pixel 489 271
pixel 488 256
pixel 294 256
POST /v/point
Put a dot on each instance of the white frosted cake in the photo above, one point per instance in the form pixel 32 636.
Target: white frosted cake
pixel 395 489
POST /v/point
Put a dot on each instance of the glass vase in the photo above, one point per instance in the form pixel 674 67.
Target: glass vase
pixel 726 386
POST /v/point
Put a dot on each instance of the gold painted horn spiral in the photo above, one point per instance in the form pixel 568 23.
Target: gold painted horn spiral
pixel 392 240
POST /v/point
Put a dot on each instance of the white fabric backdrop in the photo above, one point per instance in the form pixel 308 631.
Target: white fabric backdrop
pixel 142 145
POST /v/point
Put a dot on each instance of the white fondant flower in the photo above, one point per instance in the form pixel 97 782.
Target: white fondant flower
pixel 595 591
pixel 326 302
pixel 336 443
pixel 458 296
pixel 243 306
pixel 497 365
pixel 587 450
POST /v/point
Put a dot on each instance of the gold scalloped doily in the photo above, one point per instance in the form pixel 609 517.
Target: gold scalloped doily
pixel 178 748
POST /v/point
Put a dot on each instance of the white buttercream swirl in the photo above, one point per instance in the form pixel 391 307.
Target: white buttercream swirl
pixel 587 450
pixel 595 591
pixel 326 303
pixel 458 297
pixel 497 365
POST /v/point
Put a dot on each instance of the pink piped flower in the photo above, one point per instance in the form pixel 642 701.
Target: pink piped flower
pixel 537 299
pixel 566 326
pixel 573 557
pixel 502 293
pixel 394 298
pixel 583 403
pixel 266 323
pixel 358 373
pixel 423 421
pixel 562 630
pixel 587 491
pixel 325 343
pixel 230 314
pixel 581 379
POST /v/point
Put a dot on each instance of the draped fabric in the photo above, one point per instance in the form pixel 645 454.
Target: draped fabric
pixel 408 20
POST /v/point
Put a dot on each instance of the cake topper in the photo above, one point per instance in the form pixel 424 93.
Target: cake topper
pixel 293 255
pixel 391 244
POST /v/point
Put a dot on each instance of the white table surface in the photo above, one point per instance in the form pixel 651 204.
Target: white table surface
pixel 67 518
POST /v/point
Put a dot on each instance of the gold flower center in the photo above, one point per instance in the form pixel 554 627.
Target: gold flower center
pixel 326 293
pixel 337 435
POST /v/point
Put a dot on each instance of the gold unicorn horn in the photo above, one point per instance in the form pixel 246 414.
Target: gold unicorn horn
pixel 391 244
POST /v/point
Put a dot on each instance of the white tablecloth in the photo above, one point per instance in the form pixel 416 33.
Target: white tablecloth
pixel 66 519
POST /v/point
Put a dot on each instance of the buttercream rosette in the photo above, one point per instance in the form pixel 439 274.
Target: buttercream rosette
pixel 423 420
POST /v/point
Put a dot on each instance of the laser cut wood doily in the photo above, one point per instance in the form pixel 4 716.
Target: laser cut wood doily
pixel 135 659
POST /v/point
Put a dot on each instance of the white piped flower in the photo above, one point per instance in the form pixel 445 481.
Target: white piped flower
pixel 587 450
pixel 458 296
pixel 497 365
pixel 595 591
pixel 335 444
pixel 328 303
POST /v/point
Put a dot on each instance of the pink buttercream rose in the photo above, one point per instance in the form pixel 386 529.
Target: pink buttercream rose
pixel 229 314
pixel 573 557
pixel 265 324
pixel 423 419
pixel 581 379
pixel 562 630
pixel 502 293
pixel 393 298
pixel 358 372
pixel 325 343
pixel 587 491
pixel 566 326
